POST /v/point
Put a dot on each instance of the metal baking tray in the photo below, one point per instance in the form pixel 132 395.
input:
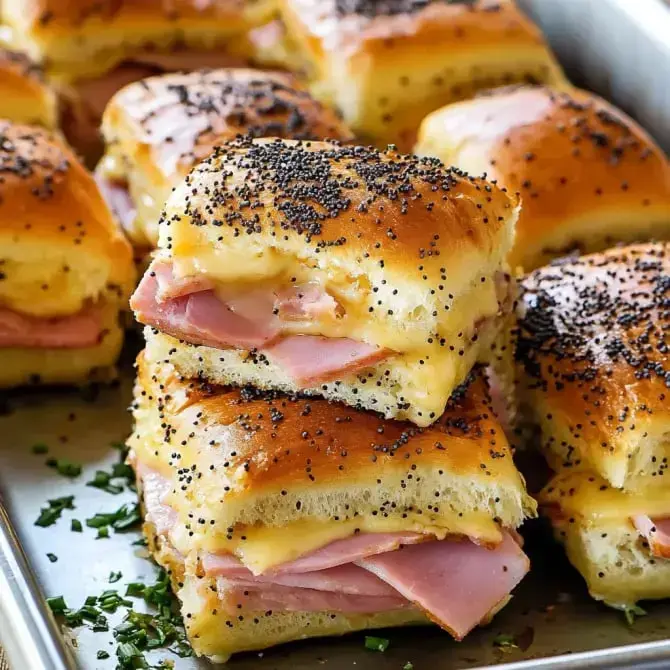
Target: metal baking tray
pixel 618 48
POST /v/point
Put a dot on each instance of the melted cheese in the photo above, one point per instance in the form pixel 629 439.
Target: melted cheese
pixel 592 499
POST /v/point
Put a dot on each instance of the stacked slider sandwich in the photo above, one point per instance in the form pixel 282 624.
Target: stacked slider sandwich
pixel 289 276
pixel 595 379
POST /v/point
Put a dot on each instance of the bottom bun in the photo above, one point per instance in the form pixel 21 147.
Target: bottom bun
pixel 37 366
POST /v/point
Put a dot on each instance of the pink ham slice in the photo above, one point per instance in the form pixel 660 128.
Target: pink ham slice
pixel 187 310
pixel 80 330
pixel 349 579
pixel 311 360
pixel 657 533
pixel 457 584
pixel 337 553
pixel 238 595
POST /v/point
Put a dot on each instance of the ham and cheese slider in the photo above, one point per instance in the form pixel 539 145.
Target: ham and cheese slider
pixel 282 517
pixel 368 277
pixel 65 268
pixel 25 97
pixel 157 129
pixel 93 48
pixel 388 64
pixel 593 343
pixel 587 174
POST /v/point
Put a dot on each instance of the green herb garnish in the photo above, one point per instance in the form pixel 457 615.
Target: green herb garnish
pixel 40 448
pixel 65 467
pixel 114 577
pixel 124 518
pixel 505 641
pixel 103 533
pixel 75 526
pixel 57 604
pixel 376 643
pixel 52 558
pixel 102 655
pixel 631 613
pixel 50 514
pixel 408 666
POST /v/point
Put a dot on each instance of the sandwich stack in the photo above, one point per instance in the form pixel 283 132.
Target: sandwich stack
pixel 314 438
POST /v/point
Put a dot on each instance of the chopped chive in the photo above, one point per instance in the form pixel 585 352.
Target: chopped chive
pixel 504 640
pixel 52 558
pixel 631 613
pixel 102 655
pixel 408 666
pixel 114 577
pixel 91 600
pixel 135 589
pixel 50 514
pixel 75 526
pixel 103 533
pixel 40 448
pixel 57 604
pixel 64 467
pixel 376 643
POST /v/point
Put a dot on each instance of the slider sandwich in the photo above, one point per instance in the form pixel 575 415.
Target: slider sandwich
pixel 25 97
pixel 387 63
pixel 284 517
pixel 593 350
pixel 65 269
pixel 92 48
pixel 157 129
pixel 368 277
pixel 587 174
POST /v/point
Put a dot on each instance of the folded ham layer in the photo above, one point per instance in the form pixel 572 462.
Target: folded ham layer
pixel 656 532
pixel 457 583
pixel 191 310
pixel 64 332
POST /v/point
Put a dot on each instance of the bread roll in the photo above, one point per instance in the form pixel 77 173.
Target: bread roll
pixel 301 499
pixel 593 361
pixel 158 128
pixel 66 269
pixel 388 64
pixel 587 174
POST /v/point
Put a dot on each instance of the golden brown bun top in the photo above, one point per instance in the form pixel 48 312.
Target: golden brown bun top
pixel 366 26
pixel 48 197
pixel 399 219
pixel 175 120
pixel 261 442
pixel 26 98
pixel 571 156
pixel 593 341
pixel 43 16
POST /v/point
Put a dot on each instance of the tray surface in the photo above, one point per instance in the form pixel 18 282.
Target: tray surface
pixel 550 614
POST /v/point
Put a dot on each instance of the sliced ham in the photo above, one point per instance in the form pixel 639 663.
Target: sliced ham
pixel 657 533
pixel 337 553
pixel 118 200
pixel 457 584
pixel 77 331
pixel 350 579
pixel 188 309
pixel 312 359
pixel 170 287
pixel 238 595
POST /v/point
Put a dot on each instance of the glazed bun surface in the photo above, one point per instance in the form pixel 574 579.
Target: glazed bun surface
pixel 588 175
pixel 386 65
